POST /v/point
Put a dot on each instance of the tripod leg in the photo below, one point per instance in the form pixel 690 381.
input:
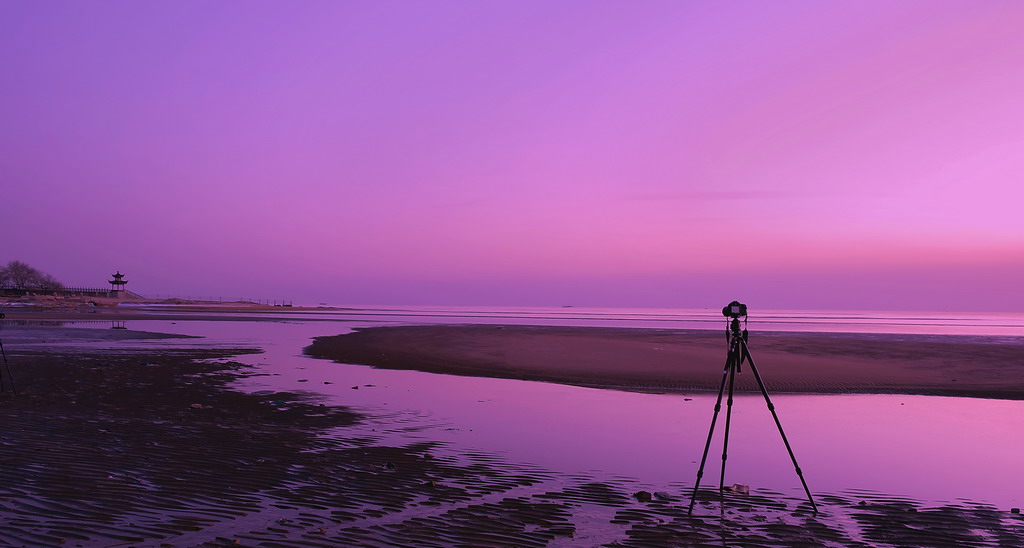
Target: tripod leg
pixel 771 407
pixel 728 414
pixel 729 367
pixel 711 431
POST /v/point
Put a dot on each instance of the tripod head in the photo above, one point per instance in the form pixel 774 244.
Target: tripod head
pixel 735 336
pixel 735 311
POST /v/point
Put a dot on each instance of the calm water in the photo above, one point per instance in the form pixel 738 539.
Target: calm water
pixel 938 323
pixel 927 448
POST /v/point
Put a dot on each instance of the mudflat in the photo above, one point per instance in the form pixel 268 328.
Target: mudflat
pixel 672 360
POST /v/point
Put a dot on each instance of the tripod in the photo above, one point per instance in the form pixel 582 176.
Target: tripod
pixel 5 365
pixel 738 353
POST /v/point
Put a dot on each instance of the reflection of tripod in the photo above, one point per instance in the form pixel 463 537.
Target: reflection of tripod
pixel 738 353
pixel 5 365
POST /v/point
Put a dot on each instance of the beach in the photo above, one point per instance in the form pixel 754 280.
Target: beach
pixel 681 361
pixel 138 437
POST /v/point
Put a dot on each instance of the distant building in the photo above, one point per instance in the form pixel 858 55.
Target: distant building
pixel 117 285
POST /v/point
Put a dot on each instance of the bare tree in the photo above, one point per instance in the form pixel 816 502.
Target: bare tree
pixel 19 275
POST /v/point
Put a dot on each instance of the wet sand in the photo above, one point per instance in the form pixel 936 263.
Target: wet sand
pixel 152 447
pixel 680 361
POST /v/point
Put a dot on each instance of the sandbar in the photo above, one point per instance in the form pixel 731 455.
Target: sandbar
pixel 682 361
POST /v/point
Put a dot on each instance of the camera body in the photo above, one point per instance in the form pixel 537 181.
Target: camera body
pixel 735 310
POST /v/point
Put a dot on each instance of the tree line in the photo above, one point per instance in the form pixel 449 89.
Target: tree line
pixel 18 275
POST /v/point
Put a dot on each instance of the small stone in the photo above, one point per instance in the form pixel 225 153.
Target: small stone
pixel 661 495
pixel 390 466
pixel 642 496
pixel 1014 510
pixel 739 488
pixel 355 387
pixel 196 406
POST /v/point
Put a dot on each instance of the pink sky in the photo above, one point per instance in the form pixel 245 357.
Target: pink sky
pixel 787 154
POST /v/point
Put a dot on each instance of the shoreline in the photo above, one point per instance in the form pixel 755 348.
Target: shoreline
pixel 665 360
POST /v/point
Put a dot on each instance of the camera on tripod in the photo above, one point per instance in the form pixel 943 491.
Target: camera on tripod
pixel 735 313
pixel 735 310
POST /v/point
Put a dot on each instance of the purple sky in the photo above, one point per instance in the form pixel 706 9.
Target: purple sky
pixel 787 154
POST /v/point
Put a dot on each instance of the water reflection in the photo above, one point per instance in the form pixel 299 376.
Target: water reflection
pixel 96 324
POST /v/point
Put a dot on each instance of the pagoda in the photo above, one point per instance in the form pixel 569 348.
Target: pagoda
pixel 117 284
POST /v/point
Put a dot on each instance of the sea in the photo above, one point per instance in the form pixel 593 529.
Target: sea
pixel 985 324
